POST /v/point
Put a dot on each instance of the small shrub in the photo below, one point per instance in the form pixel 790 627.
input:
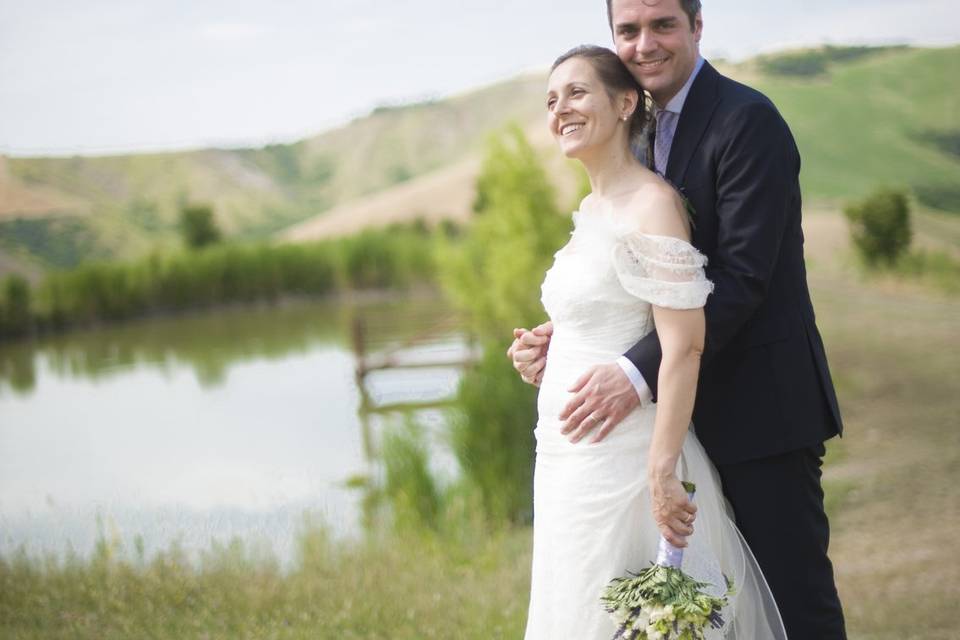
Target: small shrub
pixel 880 226
pixel 198 226
pixel 450 229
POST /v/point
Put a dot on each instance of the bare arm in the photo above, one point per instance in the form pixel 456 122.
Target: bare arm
pixel 604 395
pixel 681 338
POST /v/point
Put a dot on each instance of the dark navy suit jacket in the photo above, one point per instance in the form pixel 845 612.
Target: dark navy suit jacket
pixel 764 386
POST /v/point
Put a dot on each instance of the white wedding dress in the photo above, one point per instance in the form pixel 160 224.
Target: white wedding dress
pixel 592 512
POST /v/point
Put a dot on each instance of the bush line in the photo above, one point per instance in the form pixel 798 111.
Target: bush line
pixel 103 292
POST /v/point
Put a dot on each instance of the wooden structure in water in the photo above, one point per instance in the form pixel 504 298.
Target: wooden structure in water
pixel 396 357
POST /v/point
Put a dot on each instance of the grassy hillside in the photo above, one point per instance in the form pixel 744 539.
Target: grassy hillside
pixel 123 205
pixel 862 118
pixel 887 119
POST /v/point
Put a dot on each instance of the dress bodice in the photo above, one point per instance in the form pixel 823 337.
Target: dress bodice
pixel 599 294
pixel 600 289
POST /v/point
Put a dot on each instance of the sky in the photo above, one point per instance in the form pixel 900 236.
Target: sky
pixel 115 76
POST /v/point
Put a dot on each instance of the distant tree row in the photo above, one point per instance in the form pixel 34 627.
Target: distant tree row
pixel 216 273
pixel 813 62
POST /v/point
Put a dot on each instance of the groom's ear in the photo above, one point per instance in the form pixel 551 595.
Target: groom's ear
pixel 698 27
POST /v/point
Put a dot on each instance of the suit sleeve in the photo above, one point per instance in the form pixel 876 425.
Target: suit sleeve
pixel 757 171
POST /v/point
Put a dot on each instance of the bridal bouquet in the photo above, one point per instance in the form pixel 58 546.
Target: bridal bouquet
pixel 663 602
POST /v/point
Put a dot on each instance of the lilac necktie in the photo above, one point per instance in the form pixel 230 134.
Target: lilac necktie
pixel 666 127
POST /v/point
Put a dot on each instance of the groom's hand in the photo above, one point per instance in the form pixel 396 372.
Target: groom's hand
pixel 604 396
pixel 529 352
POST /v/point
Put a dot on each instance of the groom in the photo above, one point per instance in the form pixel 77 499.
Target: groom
pixel 765 400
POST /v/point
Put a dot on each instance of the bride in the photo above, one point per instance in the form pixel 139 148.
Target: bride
pixel 600 507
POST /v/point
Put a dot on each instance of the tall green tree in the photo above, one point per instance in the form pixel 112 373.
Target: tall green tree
pixel 494 273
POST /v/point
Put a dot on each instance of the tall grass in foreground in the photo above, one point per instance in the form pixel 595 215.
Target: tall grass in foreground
pixel 220 274
pixel 408 587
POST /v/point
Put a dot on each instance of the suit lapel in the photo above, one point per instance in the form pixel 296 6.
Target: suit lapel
pixel 694 118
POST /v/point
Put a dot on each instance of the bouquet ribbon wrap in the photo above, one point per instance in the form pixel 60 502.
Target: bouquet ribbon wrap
pixel 667 554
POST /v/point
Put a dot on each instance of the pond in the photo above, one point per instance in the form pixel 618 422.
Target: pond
pixel 192 429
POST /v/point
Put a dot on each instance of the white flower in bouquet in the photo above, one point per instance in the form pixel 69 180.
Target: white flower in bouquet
pixel 641 621
pixel 662 613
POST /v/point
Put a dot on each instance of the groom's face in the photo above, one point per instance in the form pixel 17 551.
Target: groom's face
pixel 656 41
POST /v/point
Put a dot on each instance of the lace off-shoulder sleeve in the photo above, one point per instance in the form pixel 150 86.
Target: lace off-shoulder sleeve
pixel 664 271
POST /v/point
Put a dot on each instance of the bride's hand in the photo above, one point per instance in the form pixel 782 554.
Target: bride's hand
pixel 528 352
pixel 673 511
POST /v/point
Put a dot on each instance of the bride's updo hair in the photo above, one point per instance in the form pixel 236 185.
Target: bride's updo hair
pixel 616 78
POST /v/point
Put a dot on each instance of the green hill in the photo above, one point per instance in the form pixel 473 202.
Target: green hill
pixel 887 119
pixel 64 210
pixel 862 117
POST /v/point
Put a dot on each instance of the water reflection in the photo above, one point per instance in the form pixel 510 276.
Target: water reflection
pixel 213 425
pixel 210 342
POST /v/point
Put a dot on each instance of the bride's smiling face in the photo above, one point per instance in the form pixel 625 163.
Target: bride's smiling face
pixel 580 112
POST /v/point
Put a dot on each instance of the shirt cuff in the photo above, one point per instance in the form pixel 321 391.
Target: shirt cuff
pixel 636 379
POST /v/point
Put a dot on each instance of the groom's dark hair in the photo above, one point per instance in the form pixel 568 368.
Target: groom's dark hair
pixel 690 7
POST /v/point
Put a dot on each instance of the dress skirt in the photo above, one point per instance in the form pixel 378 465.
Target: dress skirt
pixel 593 522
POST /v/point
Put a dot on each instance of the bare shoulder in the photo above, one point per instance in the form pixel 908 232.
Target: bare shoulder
pixel 660 210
